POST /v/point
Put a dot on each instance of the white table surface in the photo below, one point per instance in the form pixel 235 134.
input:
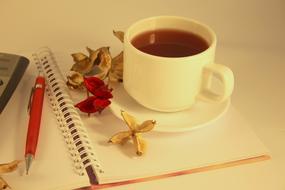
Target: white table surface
pixel 250 41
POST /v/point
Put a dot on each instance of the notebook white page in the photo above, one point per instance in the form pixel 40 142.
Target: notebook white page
pixel 227 139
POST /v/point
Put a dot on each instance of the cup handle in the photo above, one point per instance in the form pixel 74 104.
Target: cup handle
pixel 222 73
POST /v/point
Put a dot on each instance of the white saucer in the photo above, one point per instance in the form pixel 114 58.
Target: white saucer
pixel 199 115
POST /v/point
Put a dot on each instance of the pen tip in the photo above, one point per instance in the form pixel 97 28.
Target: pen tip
pixel 29 159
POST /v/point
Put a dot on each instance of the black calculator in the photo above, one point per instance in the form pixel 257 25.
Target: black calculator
pixel 12 68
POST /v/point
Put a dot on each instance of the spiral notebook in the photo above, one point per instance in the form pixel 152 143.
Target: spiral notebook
pixel 73 149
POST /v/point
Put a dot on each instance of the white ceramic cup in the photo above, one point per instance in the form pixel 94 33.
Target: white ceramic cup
pixel 172 84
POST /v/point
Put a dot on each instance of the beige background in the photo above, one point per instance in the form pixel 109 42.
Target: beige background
pixel 250 40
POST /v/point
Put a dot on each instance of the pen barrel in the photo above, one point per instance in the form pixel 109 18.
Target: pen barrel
pixel 35 116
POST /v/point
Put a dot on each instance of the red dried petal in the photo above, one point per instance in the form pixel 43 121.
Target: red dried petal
pixel 101 104
pixel 87 105
pixel 103 93
pixel 93 84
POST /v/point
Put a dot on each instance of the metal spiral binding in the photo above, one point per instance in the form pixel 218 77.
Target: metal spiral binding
pixel 70 124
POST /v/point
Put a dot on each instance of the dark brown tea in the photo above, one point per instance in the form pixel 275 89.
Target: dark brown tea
pixel 170 43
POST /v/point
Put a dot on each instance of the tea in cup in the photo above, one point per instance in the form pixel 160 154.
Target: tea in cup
pixel 169 64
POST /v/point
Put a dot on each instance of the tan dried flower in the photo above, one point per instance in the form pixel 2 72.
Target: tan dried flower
pixel 134 133
pixel 82 63
pixel 116 71
pixel 119 35
pixel 6 168
pixel 3 184
pixel 99 64
pixel 104 63
pixel 75 80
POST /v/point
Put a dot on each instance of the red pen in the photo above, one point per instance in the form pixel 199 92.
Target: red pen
pixel 36 105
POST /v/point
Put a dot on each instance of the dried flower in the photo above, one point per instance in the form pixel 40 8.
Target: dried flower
pixel 104 63
pixel 75 80
pixel 116 71
pixel 100 99
pixel 99 63
pixel 134 133
pixel 3 184
pixel 119 35
pixel 5 168
pixel 83 64
pixel 9 167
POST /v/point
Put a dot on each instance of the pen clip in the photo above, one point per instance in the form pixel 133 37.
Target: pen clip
pixel 30 100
